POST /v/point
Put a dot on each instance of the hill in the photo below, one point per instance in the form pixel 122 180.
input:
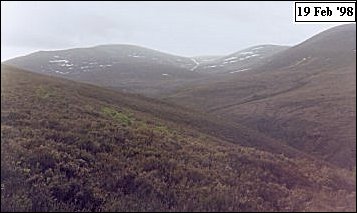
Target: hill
pixel 135 69
pixel 240 61
pixel 67 146
pixel 304 96
pixel 123 67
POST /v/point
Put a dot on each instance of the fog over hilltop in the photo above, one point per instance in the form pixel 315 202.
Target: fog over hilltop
pixel 181 28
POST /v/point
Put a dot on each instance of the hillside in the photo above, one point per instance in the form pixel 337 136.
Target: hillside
pixel 67 146
pixel 304 96
pixel 332 48
pixel 123 67
pixel 240 61
pixel 135 69
pixel 206 58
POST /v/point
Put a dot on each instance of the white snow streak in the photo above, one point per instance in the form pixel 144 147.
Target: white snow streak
pixel 242 70
pixel 58 61
pixel 196 64
pixel 231 58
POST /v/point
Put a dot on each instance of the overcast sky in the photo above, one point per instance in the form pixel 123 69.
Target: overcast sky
pixel 182 28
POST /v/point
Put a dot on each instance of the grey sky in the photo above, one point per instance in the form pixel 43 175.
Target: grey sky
pixel 182 28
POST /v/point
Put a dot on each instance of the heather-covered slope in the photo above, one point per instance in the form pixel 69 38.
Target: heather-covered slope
pixel 304 96
pixel 70 146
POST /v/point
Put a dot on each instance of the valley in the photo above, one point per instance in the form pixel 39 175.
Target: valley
pixel 126 128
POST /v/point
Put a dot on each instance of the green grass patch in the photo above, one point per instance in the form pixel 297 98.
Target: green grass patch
pixel 44 93
pixel 122 117
pixel 162 130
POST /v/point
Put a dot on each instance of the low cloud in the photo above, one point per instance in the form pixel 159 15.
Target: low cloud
pixel 184 28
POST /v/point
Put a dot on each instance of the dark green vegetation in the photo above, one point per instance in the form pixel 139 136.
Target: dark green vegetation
pixel 69 146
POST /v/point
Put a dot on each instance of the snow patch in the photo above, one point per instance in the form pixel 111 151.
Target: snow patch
pixel 231 58
pixel 242 70
pixel 59 61
pixel 246 53
pixel 196 64
pixel 248 56
pixel 229 62
pixel 66 65
pixel 137 56
pixel 299 62
pixel 56 71
pixel 105 65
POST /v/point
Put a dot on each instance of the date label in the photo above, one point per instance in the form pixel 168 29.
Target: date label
pixel 325 11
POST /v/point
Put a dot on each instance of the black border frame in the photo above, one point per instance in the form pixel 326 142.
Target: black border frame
pixel 321 2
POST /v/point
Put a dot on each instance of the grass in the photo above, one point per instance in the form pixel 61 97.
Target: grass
pixel 44 93
pixel 121 117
